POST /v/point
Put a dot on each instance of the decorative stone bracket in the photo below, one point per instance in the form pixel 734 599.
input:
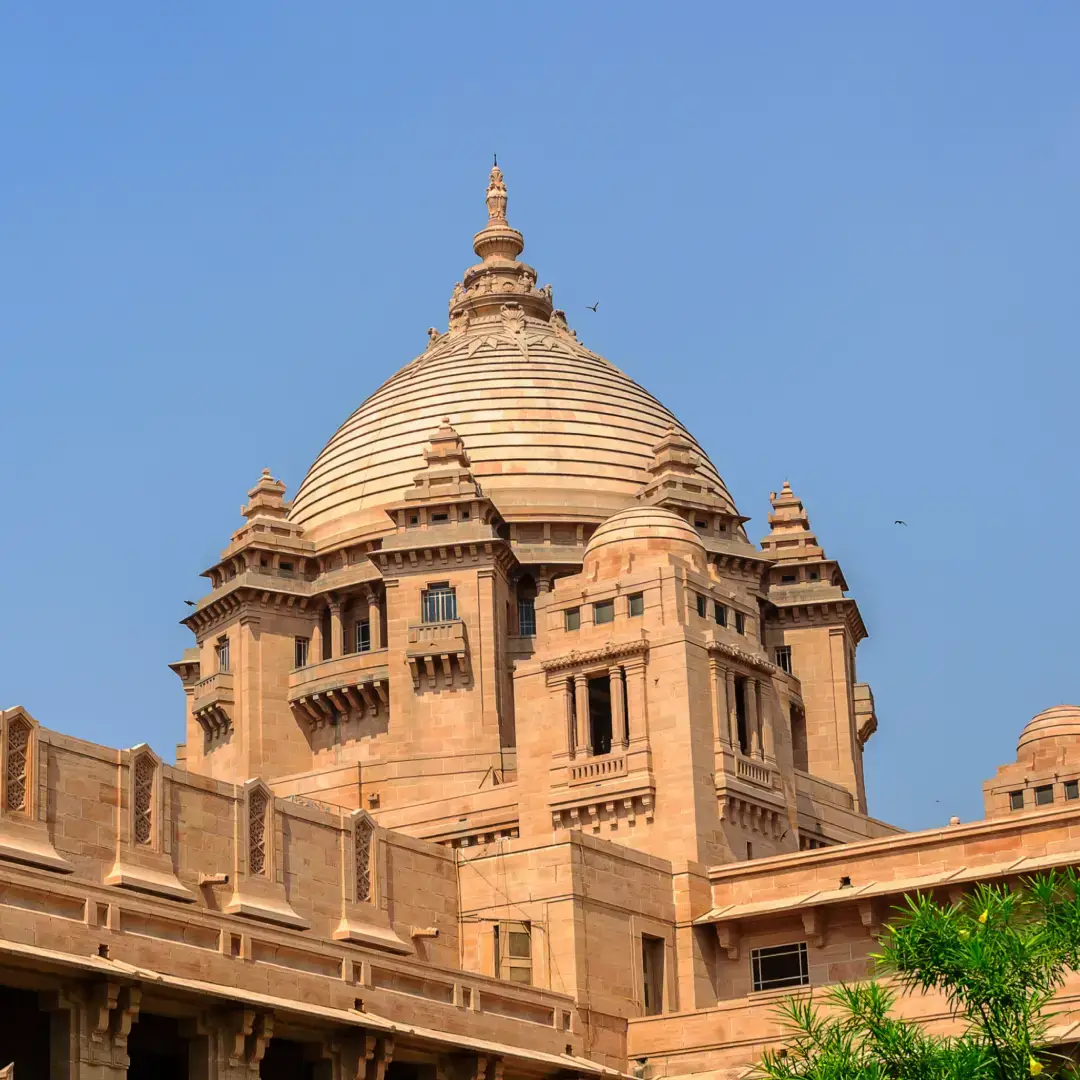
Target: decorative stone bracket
pixel 442 644
pixel 100 1016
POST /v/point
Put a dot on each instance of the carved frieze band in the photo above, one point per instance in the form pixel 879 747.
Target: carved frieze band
pixel 575 659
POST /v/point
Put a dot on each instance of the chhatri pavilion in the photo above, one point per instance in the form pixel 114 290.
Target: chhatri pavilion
pixel 508 755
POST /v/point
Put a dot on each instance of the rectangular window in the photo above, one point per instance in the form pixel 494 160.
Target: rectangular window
pixel 527 617
pixel 741 721
pixel 300 651
pixel 719 613
pixel 573 618
pixel 779 966
pixel 604 612
pixel 636 604
pixel 439 604
pixel 1044 795
pixel 286 567
pixel 783 658
pixel 513 952
pixel 740 623
pixel 223 654
pixel 702 605
pixel 1016 800
pixel 787 579
pixel 600 714
pixel 652 970
pixel 363 636
pixel 1072 790
pixel 439 519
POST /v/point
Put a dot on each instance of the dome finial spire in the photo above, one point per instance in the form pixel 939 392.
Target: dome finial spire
pixel 496 196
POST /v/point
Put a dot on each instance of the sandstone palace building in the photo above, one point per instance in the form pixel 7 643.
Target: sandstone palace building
pixel 509 754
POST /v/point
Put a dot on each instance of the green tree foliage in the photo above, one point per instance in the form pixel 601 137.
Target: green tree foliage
pixel 997 957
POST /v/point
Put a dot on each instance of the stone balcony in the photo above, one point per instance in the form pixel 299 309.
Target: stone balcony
pixel 213 701
pixel 356 685
pixel 438 648
pixel 590 789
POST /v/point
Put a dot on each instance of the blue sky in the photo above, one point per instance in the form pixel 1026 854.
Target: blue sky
pixel 840 241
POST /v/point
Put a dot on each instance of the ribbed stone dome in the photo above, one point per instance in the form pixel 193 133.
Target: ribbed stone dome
pixel 647 527
pixel 549 426
pixel 1060 722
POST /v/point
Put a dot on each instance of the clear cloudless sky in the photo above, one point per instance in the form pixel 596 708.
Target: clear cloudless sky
pixel 839 240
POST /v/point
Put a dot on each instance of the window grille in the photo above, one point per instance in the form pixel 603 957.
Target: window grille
pixel 740 623
pixel 719 613
pixel 702 605
pixel 258 804
pixel 527 617
pixel 363 636
pixel 783 658
pixel 439 604
pixel 779 966
pixel 18 765
pixel 144 798
pixel 223 654
pixel 364 831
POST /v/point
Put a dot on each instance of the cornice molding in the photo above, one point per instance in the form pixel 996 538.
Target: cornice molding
pixel 574 658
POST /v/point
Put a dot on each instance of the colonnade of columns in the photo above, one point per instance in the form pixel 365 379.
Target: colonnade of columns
pixel 338 644
pixel 760 736
pixel 626 683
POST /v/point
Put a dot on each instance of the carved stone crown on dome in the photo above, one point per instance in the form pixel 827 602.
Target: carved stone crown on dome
pixel 500 278
pixel 675 480
pixel 446 473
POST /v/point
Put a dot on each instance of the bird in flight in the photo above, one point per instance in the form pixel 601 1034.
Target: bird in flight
pixel 593 307
pixel 190 603
pixel 899 522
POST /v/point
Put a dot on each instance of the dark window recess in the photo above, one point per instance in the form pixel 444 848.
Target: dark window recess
pixel 527 617
pixel 573 618
pixel 740 623
pixel 779 966
pixel 740 715
pixel 749 850
pixel 699 524
pixel 783 657
pixel 464 515
pixel 286 567
pixel 702 605
pixel 719 613
pixel 814 575
pixel 799 750
pixel 600 714
pixel 636 604
pixel 300 652
pixel 1044 795
pixel 604 612
pixel 414 519
pixel 363 636
pixel 1072 790
pixel 439 604
pixel 1016 800
pixel 787 579
pixel 652 970
pixel 440 519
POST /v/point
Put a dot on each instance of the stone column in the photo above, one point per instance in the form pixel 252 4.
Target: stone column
pixel 637 714
pixel 89 1030
pixel 753 721
pixel 337 630
pixel 568 708
pixel 582 734
pixel 732 708
pixel 315 648
pixel 228 1044
pixel 374 614
pixel 768 712
pixel 719 697
pixel 618 708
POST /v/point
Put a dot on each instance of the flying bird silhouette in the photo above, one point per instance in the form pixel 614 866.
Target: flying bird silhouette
pixel 593 307
pixel 190 603
pixel 899 522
